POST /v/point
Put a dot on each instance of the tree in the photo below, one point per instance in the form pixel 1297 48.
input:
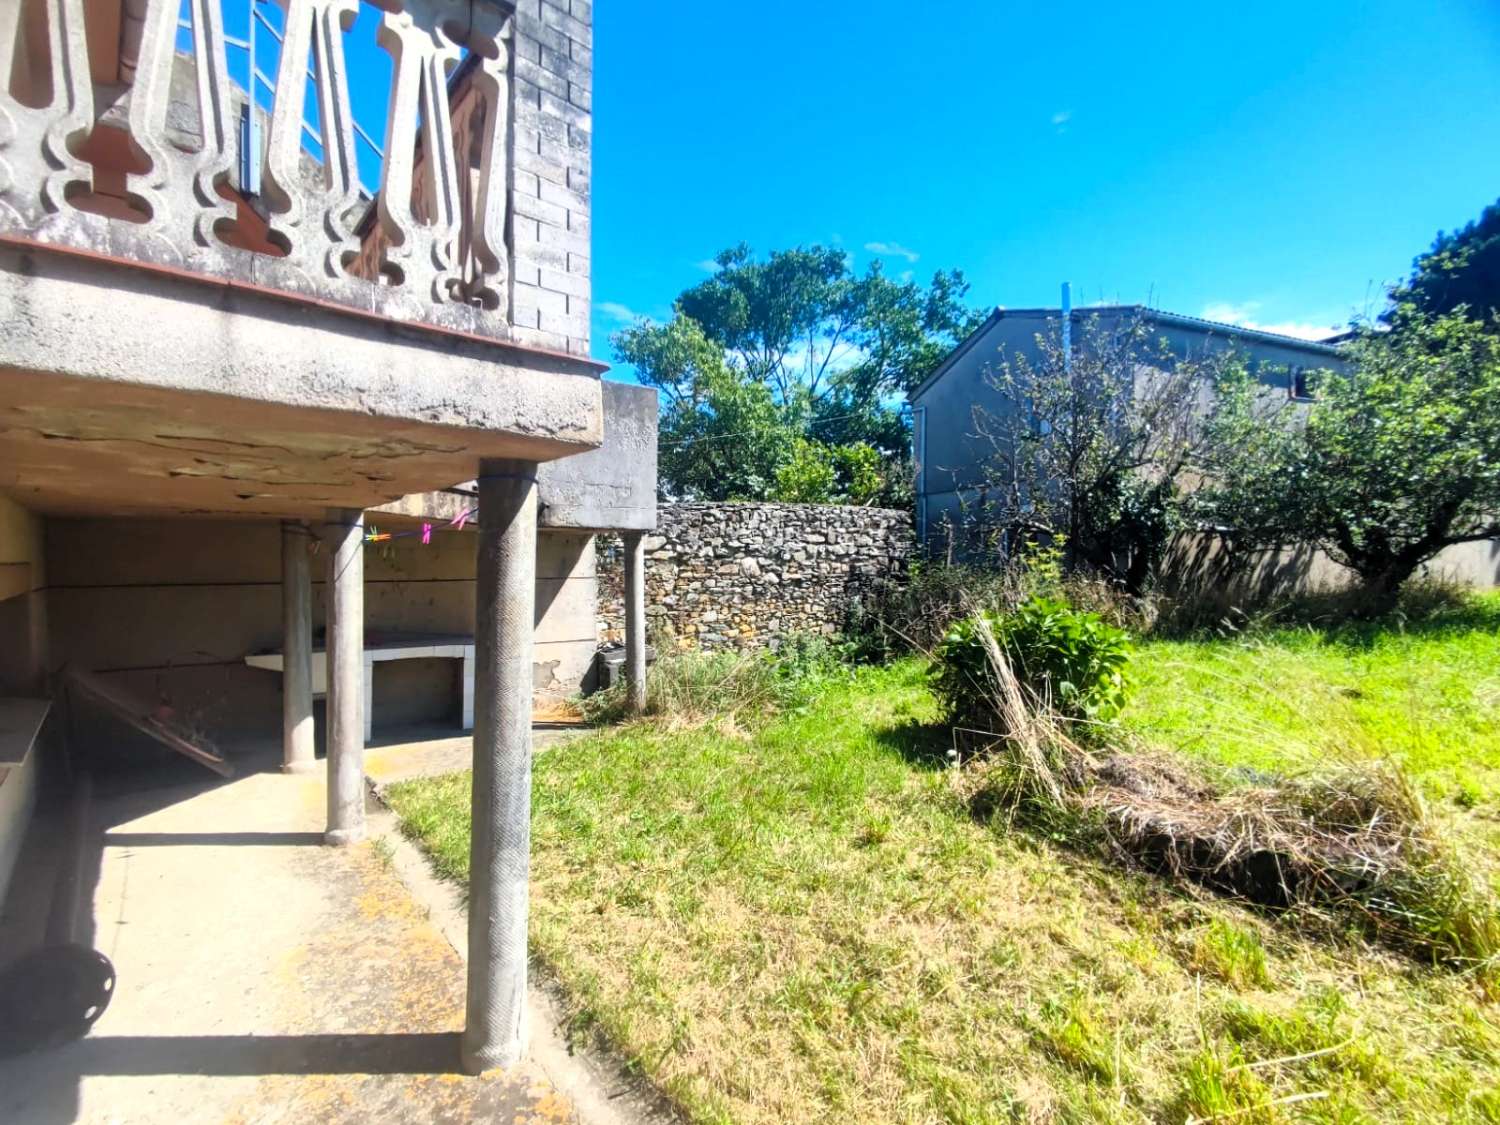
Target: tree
pixel 722 437
pixel 1093 448
pixel 830 474
pixel 795 346
pixel 1394 461
pixel 1461 269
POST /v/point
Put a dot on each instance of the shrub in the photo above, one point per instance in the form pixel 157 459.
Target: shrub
pixel 913 616
pixel 1067 660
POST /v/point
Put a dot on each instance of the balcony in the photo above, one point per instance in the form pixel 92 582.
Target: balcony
pixel 226 297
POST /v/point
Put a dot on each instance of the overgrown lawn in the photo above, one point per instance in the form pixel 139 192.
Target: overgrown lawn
pixel 1426 694
pixel 804 923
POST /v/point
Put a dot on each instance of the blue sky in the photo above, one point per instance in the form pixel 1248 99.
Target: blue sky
pixel 1273 163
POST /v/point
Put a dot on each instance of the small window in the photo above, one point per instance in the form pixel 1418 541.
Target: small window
pixel 1297 383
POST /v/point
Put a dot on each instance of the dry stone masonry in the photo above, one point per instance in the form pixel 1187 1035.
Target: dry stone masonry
pixel 746 575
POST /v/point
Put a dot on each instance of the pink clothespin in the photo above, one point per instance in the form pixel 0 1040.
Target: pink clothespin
pixel 462 518
pixel 426 533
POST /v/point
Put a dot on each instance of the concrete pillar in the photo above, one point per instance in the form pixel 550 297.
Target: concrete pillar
pixel 500 840
pixel 297 751
pixel 346 676
pixel 635 621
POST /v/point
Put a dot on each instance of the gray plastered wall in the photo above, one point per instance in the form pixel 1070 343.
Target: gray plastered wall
pixel 550 173
pixel 169 608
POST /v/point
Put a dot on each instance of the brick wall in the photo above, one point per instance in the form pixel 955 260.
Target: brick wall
pixel 745 575
pixel 553 126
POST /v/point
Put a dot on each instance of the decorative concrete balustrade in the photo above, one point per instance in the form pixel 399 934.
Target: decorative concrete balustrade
pixel 433 244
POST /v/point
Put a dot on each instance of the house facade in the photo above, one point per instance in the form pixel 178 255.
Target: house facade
pixel 952 456
pixel 294 408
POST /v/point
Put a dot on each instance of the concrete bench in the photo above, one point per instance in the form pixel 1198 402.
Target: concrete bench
pixel 414 646
pixel 20 723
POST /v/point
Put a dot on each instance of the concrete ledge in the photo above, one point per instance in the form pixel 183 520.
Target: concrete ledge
pixel 613 487
pixel 124 391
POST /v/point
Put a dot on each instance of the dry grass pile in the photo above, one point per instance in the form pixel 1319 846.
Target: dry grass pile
pixel 1350 849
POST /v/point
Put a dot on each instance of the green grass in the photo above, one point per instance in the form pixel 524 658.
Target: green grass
pixel 1428 696
pixel 804 923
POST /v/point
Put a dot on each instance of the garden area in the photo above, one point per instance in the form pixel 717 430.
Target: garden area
pixel 793 893
pixel 1136 822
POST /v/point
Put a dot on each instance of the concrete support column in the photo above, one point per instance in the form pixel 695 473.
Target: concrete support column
pixel 635 621
pixel 345 536
pixel 500 840
pixel 297 751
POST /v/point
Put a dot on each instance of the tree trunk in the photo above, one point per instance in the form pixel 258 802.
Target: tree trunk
pixel 1382 584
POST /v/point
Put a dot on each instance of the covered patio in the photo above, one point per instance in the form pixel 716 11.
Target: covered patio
pixel 218 317
pixel 259 976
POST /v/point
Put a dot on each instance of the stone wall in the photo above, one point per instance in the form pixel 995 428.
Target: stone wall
pixel 735 575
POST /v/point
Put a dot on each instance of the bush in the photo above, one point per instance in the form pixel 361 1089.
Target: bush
pixel 897 618
pixel 1069 661
pixel 915 615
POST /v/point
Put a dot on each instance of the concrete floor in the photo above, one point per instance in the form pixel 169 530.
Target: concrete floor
pixel 261 977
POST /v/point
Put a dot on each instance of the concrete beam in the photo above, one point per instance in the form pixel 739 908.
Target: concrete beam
pixel 612 488
pixel 635 620
pixel 297 750
pixel 123 392
pixel 500 837
pixel 345 531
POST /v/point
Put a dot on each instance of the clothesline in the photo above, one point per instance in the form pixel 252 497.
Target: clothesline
pixel 374 535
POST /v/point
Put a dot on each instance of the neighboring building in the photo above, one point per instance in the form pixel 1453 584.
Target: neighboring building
pixel 225 359
pixel 952 458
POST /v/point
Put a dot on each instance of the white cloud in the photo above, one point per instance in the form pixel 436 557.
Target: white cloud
pixel 708 265
pixel 616 311
pixel 892 249
pixel 1243 316
pixel 1062 117
pixel 906 276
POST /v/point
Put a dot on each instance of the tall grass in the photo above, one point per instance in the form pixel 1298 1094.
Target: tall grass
pixel 742 687
pixel 1342 848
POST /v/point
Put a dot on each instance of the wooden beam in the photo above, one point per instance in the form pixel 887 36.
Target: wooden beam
pixel 144 719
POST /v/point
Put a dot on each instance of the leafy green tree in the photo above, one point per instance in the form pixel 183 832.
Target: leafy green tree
pixel 807 476
pixel 860 474
pixel 722 437
pixel 1095 448
pixel 831 474
pixel 1461 269
pixel 801 346
pixel 1393 461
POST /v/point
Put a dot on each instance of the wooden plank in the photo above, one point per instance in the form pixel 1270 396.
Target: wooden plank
pixel 20 722
pixel 143 719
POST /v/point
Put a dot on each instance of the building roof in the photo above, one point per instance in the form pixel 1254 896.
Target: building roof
pixel 1160 316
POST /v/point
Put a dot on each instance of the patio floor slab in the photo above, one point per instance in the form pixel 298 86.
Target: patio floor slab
pixel 261 977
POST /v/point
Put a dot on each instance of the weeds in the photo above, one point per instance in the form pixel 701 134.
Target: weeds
pixel 1217 1086
pixel 1072 1031
pixel 739 688
pixel 1232 953
pixel 1339 850
pixel 693 688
